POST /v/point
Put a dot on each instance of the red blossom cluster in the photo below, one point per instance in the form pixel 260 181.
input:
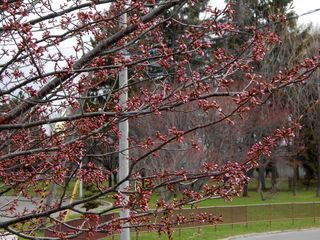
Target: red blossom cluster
pixel 60 108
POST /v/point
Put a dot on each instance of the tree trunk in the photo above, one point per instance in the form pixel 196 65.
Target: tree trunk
pixel 262 180
pixel 115 181
pixel 245 189
pixel 295 178
pixel 317 139
pixel 110 180
pixel 143 175
pixel 274 176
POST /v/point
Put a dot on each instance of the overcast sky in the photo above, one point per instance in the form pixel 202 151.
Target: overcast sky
pixel 300 7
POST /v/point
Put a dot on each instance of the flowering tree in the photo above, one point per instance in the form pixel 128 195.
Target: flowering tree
pixel 49 69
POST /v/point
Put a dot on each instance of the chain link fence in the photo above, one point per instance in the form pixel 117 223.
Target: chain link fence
pixel 230 215
pixel 241 214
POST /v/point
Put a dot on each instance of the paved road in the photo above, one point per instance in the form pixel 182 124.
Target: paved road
pixel 24 205
pixel 309 234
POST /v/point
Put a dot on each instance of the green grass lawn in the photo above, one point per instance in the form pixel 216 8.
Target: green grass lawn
pixel 222 231
pixel 283 195
pixel 255 198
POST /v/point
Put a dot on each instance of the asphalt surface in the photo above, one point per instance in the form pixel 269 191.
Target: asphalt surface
pixel 21 205
pixel 25 206
pixel 308 234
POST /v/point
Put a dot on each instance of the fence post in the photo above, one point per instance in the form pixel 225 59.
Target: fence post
pixel 246 209
pixel 231 217
pixel 292 213
pixel 314 213
pixel 215 226
pixel 270 215
pixel 137 234
pixel 180 213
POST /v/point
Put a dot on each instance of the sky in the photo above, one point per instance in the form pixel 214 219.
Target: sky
pixel 300 7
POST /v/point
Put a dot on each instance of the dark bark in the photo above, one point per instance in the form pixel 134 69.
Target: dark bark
pixel 318 172
pixel 261 177
pixel 115 180
pixel 245 189
pixel 274 176
pixel 143 175
pixel 110 180
pixel 295 178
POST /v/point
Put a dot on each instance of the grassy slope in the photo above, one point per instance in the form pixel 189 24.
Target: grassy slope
pixel 219 232
pixel 282 196
pixel 223 231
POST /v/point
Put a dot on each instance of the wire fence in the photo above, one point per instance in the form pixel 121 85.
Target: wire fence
pixel 272 215
pixel 230 215
pixel 241 214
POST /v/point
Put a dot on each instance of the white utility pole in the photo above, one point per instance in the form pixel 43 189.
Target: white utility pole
pixel 123 141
